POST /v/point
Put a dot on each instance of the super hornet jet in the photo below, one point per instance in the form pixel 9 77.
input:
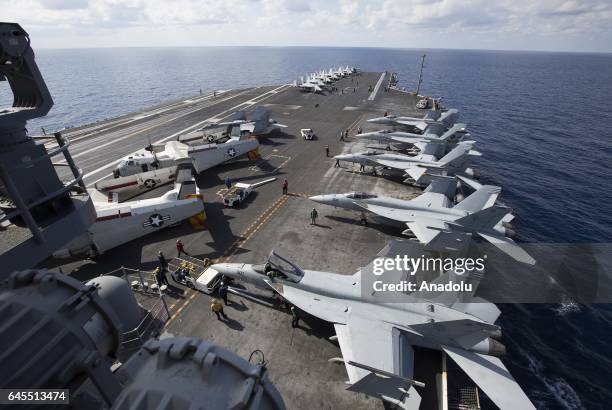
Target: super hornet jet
pixel 420 169
pixel 429 123
pixel 433 220
pixel 403 140
pixel 259 123
pixel 309 85
pixel 378 340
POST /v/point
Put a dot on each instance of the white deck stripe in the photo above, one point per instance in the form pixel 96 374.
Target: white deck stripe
pixel 373 94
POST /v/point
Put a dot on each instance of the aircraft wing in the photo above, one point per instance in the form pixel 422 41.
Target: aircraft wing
pixel 418 124
pixel 371 345
pixel 426 229
pixel 325 308
pixel 222 124
pixel 396 164
pixel 492 377
pixel 395 214
pixel 369 348
pixel 408 140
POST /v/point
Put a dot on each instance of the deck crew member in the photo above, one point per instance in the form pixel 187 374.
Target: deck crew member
pixel 228 182
pixel 217 309
pixel 313 216
pixel 180 248
pixel 327 151
pixel 160 277
pixel 285 187
pixel 337 164
pixel 363 219
pixel 223 293
pixel 163 263
pixel 295 317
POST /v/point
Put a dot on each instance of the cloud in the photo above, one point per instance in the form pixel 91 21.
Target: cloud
pixel 64 4
pixel 519 16
pixel 398 23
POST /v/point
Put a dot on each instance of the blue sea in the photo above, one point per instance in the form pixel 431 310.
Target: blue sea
pixel 542 120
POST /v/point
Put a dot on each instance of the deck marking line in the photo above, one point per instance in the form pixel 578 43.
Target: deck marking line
pixel 375 91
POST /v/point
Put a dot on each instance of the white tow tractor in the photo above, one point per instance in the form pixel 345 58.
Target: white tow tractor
pixel 240 191
pixel 307 133
pixel 423 103
pixel 195 274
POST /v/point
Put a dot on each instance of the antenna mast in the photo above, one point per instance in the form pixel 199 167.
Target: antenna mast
pixel 420 80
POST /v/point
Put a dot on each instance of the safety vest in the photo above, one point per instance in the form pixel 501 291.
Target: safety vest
pixel 216 306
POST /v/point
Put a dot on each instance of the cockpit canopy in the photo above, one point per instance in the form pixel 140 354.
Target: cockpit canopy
pixel 283 266
pixel 370 153
pixel 361 195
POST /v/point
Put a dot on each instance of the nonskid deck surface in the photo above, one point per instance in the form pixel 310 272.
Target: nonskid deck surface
pixel 297 358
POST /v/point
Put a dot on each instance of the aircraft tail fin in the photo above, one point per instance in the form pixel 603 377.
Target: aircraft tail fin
pixel 482 223
pixel 456 155
pixel 482 220
pixel 470 182
pixel 452 131
pixel 443 185
pixel 448 117
pixel 483 197
pixel 416 173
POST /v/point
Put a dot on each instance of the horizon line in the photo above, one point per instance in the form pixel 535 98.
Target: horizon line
pixel 338 46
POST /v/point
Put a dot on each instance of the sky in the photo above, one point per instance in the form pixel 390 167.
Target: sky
pixel 555 25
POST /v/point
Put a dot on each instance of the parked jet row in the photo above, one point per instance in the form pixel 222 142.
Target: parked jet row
pixel 378 340
pixel 317 82
pixel 431 218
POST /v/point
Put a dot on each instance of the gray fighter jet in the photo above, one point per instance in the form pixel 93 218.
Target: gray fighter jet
pixel 378 340
pixel 422 169
pixel 433 220
pixel 426 124
pixel 453 135
pixel 259 123
pixel 372 157
pixel 421 172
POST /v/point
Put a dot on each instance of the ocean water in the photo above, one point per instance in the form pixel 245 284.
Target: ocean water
pixel 542 120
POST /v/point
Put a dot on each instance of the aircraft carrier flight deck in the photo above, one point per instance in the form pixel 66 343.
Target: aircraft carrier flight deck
pixel 297 359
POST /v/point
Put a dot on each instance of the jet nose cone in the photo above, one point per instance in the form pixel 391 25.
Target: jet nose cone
pixel 228 269
pixel 366 134
pixel 322 199
pixel 342 157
